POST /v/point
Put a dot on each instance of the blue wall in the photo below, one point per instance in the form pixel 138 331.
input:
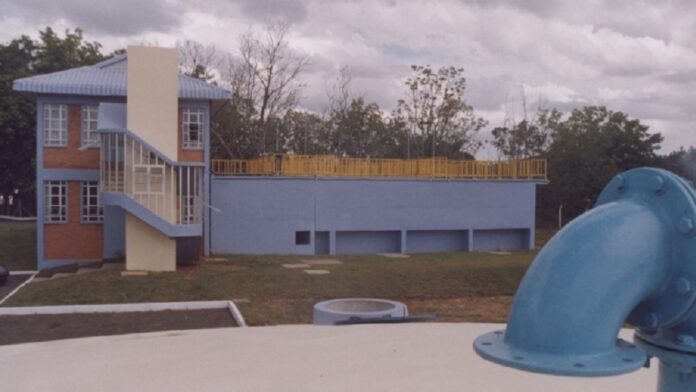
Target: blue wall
pixel 114 232
pixel 262 214
pixel 500 239
pixel 368 241
pixel 436 240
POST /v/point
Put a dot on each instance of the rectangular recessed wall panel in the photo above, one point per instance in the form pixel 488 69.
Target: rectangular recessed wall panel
pixel 424 241
pixel 503 239
pixel 321 243
pixel 368 241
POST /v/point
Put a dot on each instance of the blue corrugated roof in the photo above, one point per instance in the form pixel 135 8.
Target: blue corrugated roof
pixel 107 78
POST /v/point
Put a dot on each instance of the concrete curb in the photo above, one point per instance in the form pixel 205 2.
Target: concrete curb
pixel 16 289
pixel 124 308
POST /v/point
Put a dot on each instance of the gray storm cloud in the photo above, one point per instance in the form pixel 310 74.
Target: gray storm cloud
pixel 118 18
pixel 635 56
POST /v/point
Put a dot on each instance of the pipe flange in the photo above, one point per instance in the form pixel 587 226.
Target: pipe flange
pixel 675 202
pixel 687 360
pixel 625 358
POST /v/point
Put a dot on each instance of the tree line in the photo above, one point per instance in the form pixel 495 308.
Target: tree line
pixel 584 148
pixel 264 115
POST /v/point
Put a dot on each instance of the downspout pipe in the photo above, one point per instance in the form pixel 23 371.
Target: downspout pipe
pixel 627 260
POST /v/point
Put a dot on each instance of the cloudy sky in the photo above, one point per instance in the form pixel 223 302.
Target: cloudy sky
pixel 636 56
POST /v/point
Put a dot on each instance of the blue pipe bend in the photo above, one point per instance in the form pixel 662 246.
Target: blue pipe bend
pixel 629 259
pixel 583 285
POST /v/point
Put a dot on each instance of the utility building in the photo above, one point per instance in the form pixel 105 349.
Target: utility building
pixel 123 169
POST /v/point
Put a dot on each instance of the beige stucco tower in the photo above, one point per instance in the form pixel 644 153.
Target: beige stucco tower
pixel 152 101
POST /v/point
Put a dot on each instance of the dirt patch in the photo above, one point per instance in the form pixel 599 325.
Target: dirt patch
pixel 39 328
pixel 13 281
pixel 474 309
pixel 224 266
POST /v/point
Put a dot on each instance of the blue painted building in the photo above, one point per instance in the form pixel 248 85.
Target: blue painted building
pixel 123 169
pixel 299 215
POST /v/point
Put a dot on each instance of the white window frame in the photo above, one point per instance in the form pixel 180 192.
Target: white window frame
pixel 189 117
pixel 88 136
pixel 55 125
pixel 56 191
pixel 188 209
pixel 145 179
pixel 91 210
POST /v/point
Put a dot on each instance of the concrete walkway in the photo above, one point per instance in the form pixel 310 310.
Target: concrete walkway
pixel 397 357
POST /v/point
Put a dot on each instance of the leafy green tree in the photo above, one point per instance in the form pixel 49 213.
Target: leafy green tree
pixel 589 148
pixel 23 57
pixel 436 113
pixel 304 132
pixel 526 139
pixel 233 133
pixel 17 122
pixel 360 130
pixel 54 53
pixel 681 162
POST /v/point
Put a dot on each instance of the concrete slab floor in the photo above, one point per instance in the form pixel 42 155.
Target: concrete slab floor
pixel 322 261
pixel 395 357
pixel 295 266
pixel 395 255
pixel 317 272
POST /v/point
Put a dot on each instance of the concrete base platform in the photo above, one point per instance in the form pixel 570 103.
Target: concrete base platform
pixel 295 266
pixel 317 272
pixel 322 262
pixel 396 357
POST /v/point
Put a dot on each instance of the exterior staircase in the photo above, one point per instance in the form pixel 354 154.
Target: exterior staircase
pixel 164 193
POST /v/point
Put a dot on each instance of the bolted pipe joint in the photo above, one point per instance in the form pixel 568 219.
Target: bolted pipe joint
pixel 627 260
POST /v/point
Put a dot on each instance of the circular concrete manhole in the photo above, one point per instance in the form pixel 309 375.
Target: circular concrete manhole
pixel 346 309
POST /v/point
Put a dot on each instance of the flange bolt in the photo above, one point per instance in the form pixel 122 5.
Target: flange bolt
pixel 686 225
pixel 683 286
pixel 686 340
pixel 657 184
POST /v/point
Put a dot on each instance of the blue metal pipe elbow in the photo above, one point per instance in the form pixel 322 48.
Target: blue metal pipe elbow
pixel 624 261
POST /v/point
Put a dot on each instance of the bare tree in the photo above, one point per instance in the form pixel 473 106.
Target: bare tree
pixel 340 94
pixel 340 98
pixel 266 75
pixel 438 113
pixel 197 60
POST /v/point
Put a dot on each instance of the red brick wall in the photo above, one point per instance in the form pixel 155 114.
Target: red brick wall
pixel 187 155
pixel 73 240
pixel 71 157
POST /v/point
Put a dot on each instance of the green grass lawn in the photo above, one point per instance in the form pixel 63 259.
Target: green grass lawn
pixel 451 283
pixel 18 245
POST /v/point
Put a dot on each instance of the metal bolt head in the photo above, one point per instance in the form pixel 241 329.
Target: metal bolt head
pixel 686 340
pixel 683 285
pixel 685 225
pixel 657 184
pixel 652 320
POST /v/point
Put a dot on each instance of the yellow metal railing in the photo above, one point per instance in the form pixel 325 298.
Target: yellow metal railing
pixel 331 166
